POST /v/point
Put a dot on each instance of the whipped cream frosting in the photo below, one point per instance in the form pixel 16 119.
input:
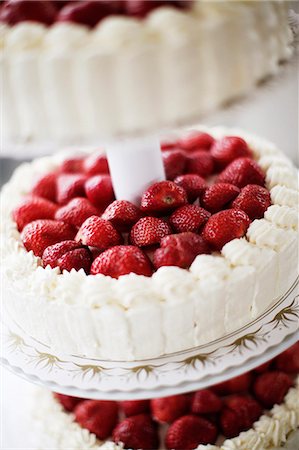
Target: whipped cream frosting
pixel 137 317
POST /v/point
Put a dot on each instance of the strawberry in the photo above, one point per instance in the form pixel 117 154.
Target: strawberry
pixel 288 361
pixel 196 140
pixel 254 200
pixel 96 164
pixel 134 407
pixel 137 432
pixel 193 184
pixel 72 165
pixel 98 416
pixel 229 423
pixel 163 197
pixel 228 148
pixel 241 383
pixel 76 211
pixel 271 387
pixel 121 260
pixel 122 214
pixel 174 163
pixel 70 185
pixel 169 145
pixel 205 401
pixel 188 218
pixel 45 186
pixel 86 13
pixel 179 250
pixel 225 226
pixel 33 208
pixel 168 409
pixel 218 196
pixel 69 403
pixel 263 367
pixel 99 233
pixel 67 255
pixel 246 408
pixel 201 163
pixel 149 231
pixel 99 190
pixel 242 171
pixel 17 11
pixel 40 234
pixel 188 432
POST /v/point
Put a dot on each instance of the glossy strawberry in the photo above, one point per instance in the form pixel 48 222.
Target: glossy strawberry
pixel 190 431
pixel 40 234
pixel 188 218
pixel 228 148
pixel 137 432
pixel 225 226
pixel 99 190
pixel 76 211
pixel 193 184
pixel 33 208
pixel 241 383
pixel 254 200
pixel 196 140
pixel 168 409
pixel 242 171
pixel 69 403
pixel 122 214
pixel 70 186
pixel 205 401
pixel 99 233
pixel 88 13
pixel 135 407
pixel 201 163
pixel 271 387
pixel 149 231
pixel 96 164
pixel 15 11
pixel 229 423
pixel 174 163
pixel 72 165
pixel 162 198
pixel 45 186
pixel 218 196
pixel 246 408
pixel 67 255
pixel 121 260
pixel 97 416
pixel 288 361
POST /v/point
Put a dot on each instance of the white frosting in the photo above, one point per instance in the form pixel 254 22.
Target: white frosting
pixel 281 195
pixel 25 36
pixel 137 317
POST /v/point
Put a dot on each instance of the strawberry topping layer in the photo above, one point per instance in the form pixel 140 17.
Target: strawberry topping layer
pixel 197 210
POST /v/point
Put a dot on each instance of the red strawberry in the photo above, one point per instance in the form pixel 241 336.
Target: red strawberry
pixel 69 403
pixel 228 148
pixel 246 408
pixel 163 197
pixel 86 13
pixel 168 409
pixel 254 200
pixel 179 250
pixel 99 233
pixel 96 164
pixel 72 165
pixel 218 196
pixel 190 431
pixel 45 186
pixel 99 190
pixel 137 432
pixel 188 218
pixel 242 171
pixel 196 140
pixel 149 231
pixel 205 402
pixel 288 361
pixel 174 163
pixel 122 214
pixel 271 387
pixel 70 186
pixel 16 11
pixel 229 423
pixel 225 226
pixel 234 385
pixel 76 211
pixel 98 416
pixel 121 260
pixel 193 184
pixel 134 407
pixel 33 208
pixel 263 367
pixel 67 255
pixel 201 163
pixel 168 145
pixel 40 234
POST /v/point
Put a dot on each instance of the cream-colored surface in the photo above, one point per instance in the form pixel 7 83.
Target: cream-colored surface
pixel 136 317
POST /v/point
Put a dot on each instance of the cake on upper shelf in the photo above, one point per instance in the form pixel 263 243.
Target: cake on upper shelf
pixel 101 68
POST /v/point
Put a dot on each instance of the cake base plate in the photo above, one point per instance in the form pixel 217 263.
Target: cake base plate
pixel 196 368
